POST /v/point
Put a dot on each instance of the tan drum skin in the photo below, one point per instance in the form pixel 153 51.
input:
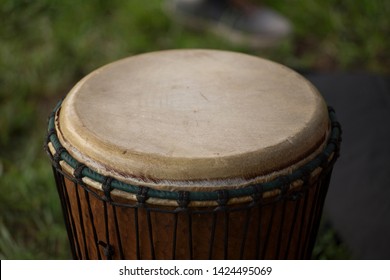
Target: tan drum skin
pixel 192 120
pixel 192 115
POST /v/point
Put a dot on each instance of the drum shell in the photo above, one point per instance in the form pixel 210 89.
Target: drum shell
pixel 281 224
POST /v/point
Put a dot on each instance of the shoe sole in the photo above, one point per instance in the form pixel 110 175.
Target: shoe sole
pixel 219 29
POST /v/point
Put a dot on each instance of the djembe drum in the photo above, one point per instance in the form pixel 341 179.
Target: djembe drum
pixel 192 154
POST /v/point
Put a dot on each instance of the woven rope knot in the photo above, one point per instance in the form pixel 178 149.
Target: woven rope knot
pixel 223 197
pixel 51 132
pixel 107 188
pixel 306 172
pixel 284 186
pixel 184 199
pixel 330 109
pixel 335 124
pixel 336 141
pixel 142 195
pixel 295 195
pixel 305 177
pixel 78 173
pixel 57 157
pixel 108 250
pixel 52 114
pixel 323 160
pixel 257 193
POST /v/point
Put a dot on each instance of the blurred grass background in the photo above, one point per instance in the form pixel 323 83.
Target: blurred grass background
pixel 46 46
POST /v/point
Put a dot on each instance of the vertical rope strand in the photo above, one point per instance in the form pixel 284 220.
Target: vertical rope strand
pixel 324 184
pixel 136 228
pixel 292 228
pixel 299 252
pixel 190 241
pixel 61 189
pixel 310 229
pixel 150 231
pixel 212 235
pixel 95 238
pixel 280 231
pixel 73 225
pixel 270 224
pixel 245 232
pixel 82 226
pixel 258 232
pixel 226 234
pixel 118 234
pixel 107 245
pixel 174 236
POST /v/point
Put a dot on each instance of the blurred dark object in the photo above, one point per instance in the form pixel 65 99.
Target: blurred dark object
pixel 238 21
pixel 358 199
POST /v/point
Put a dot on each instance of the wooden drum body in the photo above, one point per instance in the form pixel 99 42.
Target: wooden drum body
pixel 192 154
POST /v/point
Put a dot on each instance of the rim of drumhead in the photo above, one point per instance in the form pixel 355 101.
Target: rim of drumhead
pixel 325 158
pixel 159 119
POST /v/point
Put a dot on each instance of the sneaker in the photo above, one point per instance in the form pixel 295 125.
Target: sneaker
pixel 235 20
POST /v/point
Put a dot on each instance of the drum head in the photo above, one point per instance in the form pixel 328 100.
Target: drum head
pixel 184 116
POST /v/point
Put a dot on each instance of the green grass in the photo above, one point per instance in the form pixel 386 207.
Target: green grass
pixel 47 46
